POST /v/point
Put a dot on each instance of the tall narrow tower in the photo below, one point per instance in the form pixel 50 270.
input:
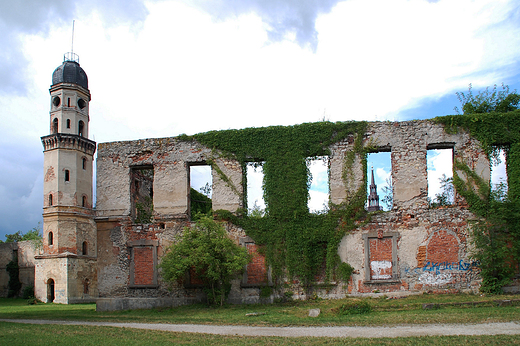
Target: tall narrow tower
pixel 373 197
pixel 66 269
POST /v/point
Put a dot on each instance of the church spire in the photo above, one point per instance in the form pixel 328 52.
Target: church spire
pixel 373 197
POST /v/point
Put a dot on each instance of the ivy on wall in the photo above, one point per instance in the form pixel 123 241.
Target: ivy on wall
pixel 297 243
pixel 497 235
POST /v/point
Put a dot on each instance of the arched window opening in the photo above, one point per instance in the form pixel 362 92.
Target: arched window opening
pixel 84 248
pixel 55 125
pixel 80 128
pixel 68 102
pixel 84 201
pixel 68 123
pixel 50 200
pixel 50 291
pixel 84 165
pixel 50 239
pixel 67 175
pixel 85 286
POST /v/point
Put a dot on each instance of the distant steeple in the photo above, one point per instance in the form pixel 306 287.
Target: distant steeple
pixel 373 197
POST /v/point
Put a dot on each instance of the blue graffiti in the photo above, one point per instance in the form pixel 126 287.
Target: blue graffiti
pixel 436 267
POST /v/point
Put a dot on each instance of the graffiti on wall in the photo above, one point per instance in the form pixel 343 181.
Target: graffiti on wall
pixel 441 273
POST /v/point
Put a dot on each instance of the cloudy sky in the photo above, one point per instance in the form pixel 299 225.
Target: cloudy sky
pixel 162 68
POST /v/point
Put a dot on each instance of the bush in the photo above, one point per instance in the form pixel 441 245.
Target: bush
pixel 355 308
pixel 28 292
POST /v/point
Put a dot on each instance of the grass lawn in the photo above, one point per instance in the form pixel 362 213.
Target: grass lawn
pixel 25 334
pixel 384 312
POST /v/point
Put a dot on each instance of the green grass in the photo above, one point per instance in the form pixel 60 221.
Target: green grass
pixel 25 334
pixel 384 312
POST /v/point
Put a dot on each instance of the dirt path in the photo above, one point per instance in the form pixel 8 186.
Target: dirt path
pixel 511 328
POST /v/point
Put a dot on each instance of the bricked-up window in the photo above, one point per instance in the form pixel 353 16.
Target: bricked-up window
pixel 201 184
pixel 380 256
pixel 256 273
pixel 143 263
pixel 379 164
pixel 440 175
pixel 319 189
pixel 141 188
pixel 255 193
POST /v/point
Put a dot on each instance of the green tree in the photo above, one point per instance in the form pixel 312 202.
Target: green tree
pixel 200 204
pixel 206 250
pixel 447 194
pixel 33 234
pixel 487 101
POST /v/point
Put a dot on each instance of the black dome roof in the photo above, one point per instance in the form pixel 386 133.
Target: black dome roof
pixel 70 72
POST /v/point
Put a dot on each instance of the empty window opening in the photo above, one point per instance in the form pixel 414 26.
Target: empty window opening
pixel 499 173
pixel 55 125
pixel 84 248
pixel 319 184
pixel 50 239
pixel 380 194
pixel 81 125
pixel 201 183
pixel 84 201
pixel 67 175
pixel 142 194
pixel 81 103
pixel 440 177
pixel 50 291
pixel 255 193
pixel 56 101
pixel 68 123
pixel 85 286
pixel 68 102
pixel 50 200
pixel 84 163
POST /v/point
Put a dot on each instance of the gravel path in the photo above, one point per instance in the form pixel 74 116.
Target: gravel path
pixel 511 328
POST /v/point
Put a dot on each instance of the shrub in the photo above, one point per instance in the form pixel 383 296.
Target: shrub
pixel 355 308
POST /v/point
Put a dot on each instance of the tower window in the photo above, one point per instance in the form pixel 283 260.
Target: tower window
pixel 81 103
pixel 50 239
pixel 50 200
pixel 55 125
pixel 68 102
pixel 56 101
pixel 84 202
pixel 84 248
pixel 68 123
pixel 80 128
pixel 67 175
pixel 84 164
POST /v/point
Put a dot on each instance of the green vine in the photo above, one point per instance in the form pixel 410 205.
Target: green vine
pixel 297 242
pixel 496 235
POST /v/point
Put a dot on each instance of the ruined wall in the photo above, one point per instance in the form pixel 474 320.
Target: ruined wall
pixel 24 251
pixel 410 247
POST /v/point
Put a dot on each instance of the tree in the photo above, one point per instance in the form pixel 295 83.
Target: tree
pixel 447 194
pixel 33 234
pixel 200 204
pixel 206 250
pixel 388 191
pixel 488 101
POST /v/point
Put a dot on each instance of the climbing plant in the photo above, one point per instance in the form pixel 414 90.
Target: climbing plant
pixel 496 235
pixel 297 242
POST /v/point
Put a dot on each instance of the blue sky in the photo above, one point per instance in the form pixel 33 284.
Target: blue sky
pixel 162 68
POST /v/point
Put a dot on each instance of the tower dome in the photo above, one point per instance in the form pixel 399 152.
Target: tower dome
pixel 70 72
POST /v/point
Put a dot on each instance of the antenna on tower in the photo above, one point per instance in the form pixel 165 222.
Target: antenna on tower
pixel 72 48
pixel 70 56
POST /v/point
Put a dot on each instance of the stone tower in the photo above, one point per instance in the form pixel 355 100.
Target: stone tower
pixel 66 268
pixel 373 197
